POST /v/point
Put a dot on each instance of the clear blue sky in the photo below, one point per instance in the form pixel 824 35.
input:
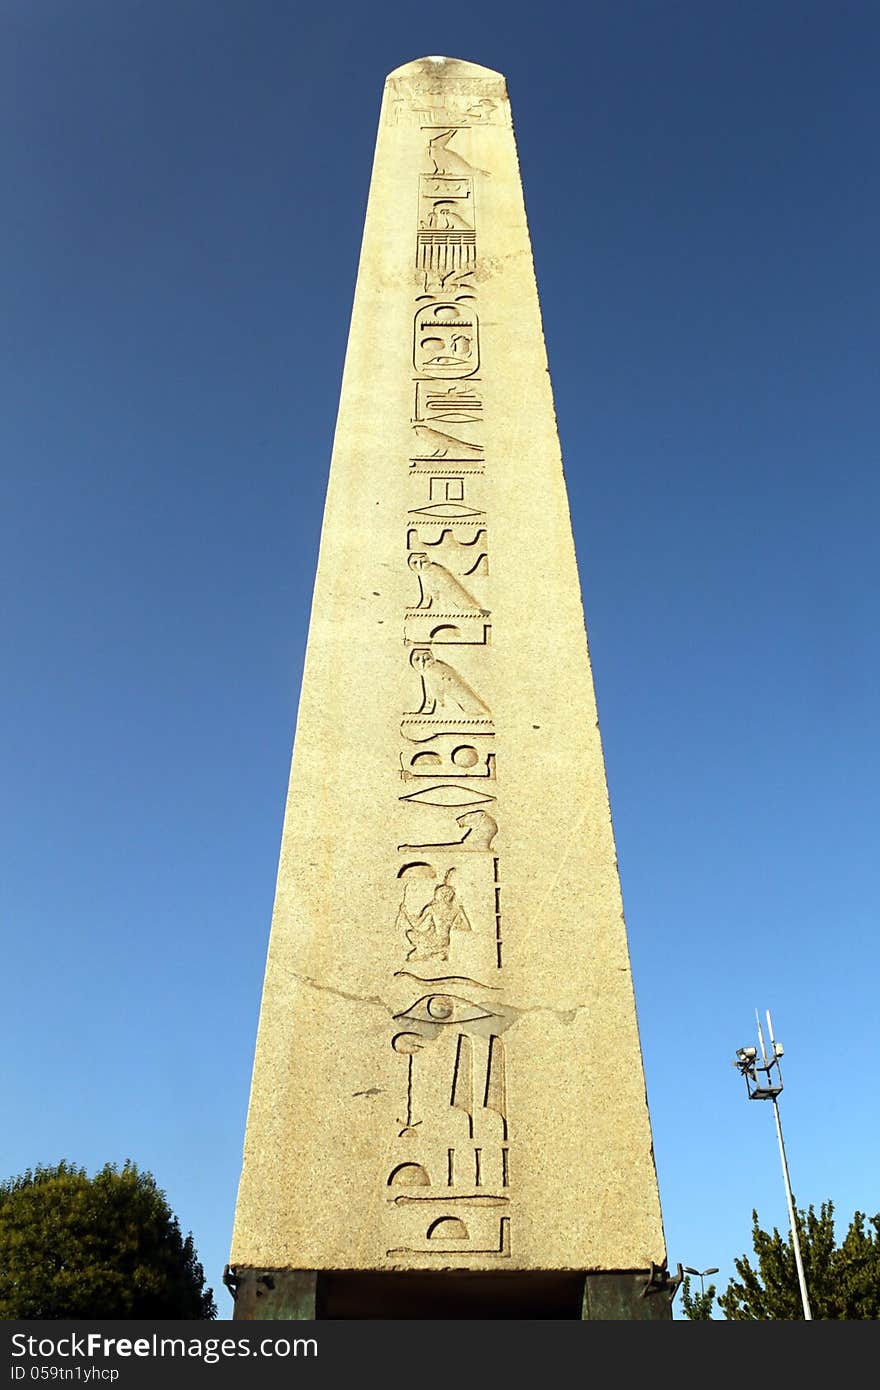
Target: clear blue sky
pixel 184 188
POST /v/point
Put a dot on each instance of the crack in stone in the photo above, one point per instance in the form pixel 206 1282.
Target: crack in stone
pixel 567 1016
pixel 340 993
pixel 564 1015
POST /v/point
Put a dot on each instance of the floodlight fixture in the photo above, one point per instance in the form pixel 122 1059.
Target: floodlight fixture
pixel 764 1082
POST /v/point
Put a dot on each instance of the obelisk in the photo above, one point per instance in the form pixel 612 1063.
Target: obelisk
pixel 448 1111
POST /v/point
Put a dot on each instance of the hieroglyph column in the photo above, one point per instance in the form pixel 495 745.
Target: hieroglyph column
pixel 448 1072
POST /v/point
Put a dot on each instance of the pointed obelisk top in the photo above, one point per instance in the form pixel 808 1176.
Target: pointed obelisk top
pixel 445 69
pixel 445 91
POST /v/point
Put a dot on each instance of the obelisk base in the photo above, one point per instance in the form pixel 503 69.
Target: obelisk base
pixel 628 1296
pixel 268 1295
pixel 308 1295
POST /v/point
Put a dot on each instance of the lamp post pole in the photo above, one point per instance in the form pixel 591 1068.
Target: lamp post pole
pixel 791 1217
pixel 767 1087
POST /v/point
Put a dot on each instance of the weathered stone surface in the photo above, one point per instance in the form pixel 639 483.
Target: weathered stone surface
pixel 448 1072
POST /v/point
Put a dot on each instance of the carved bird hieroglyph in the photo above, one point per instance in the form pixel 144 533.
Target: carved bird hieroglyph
pixel 446 161
pixel 442 687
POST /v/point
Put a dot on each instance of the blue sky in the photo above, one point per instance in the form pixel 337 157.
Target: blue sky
pixel 185 186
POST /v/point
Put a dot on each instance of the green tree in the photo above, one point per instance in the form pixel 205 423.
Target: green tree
pixel 72 1246
pixel 697 1306
pixel 843 1281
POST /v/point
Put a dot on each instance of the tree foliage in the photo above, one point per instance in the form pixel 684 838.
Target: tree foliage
pixel 843 1281
pixel 108 1246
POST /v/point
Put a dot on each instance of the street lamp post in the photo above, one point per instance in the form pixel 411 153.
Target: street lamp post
pixel 767 1086
pixel 701 1275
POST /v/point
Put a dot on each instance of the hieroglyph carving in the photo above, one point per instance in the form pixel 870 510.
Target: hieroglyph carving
pixel 479 831
pixel 438 589
pixel 446 239
pixel 446 161
pixel 463 552
pixel 446 511
pixel 448 794
pixel 443 688
pixel 446 203
pixel 439 403
pixel 424 100
pixel 428 933
pixel 448 757
pixel 433 443
pixel 446 341
pixel 448 908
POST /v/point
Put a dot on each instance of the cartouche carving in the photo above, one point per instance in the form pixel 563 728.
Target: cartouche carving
pixel 445 341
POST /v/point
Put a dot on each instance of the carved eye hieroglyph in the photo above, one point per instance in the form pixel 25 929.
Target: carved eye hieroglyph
pixel 443 1009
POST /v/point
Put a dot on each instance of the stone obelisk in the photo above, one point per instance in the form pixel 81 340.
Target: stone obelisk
pixel 448 1110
